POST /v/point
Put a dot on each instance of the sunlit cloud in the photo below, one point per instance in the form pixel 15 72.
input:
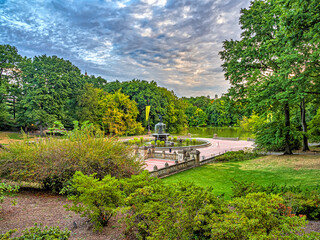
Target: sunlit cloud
pixel 173 42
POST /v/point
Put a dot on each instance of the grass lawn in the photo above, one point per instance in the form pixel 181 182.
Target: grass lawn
pixel 301 170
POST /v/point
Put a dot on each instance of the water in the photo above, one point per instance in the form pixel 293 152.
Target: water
pixel 230 132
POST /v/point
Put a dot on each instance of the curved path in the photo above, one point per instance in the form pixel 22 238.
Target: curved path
pixel 217 147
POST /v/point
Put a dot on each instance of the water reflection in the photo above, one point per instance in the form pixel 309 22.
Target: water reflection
pixel 220 131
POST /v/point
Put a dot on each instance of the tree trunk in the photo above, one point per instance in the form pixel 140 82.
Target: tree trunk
pixel 304 125
pixel 287 149
pixel 41 130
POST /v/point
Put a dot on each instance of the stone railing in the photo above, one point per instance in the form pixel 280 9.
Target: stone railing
pixel 181 166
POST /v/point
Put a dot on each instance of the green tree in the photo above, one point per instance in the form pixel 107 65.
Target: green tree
pixel 120 114
pixel 47 85
pixel 261 67
pixel 9 80
pixel 88 107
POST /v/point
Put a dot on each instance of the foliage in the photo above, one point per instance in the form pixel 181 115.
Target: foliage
pixel 152 143
pixel 301 201
pixel 95 199
pixel 257 216
pixel 271 137
pixel 158 142
pixel 187 141
pixel 48 82
pixel 88 107
pixel 161 100
pixel 57 129
pixel 120 114
pixel 37 232
pixel 170 212
pixel 175 138
pixel 5 190
pixel 315 127
pixel 53 162
pixel 253 123
pixel 194 141
pixel 237 156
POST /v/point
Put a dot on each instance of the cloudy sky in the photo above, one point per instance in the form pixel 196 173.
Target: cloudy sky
pixel 173 42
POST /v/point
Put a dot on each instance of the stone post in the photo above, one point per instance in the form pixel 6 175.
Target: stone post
pixel 196 156
pixel 215 135
pixel 164 154
pixel 175 155
pixel 181 154
pixel 145 153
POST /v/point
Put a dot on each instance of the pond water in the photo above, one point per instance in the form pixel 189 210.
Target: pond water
pixel 207 132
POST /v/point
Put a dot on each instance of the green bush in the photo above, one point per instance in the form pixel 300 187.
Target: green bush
pixel 169 138
pixel 302 201
pixel 52 162
pixel 152 210
pixel 257 216
pixel 152 143
pixel 175 138
pixel 187 141
pixel 237 156
pixel 158 143
pixel 6 190
pixel 162 143
pixel 141 140
pixel 194 141
pixel 37 232
pixel 96 199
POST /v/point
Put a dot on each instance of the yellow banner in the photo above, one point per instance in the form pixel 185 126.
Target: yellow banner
pixel 147 112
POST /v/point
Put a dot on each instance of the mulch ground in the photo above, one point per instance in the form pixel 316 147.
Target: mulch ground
pixel 37 206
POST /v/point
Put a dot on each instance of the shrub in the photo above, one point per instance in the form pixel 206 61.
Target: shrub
pixel 5 190
pixel 158 142
pixel 152 143
pixel 194 141
pixel 52 162
pixel 37 232
pixel 169 138
pixel 162 143
pixel 302 201
pixel 57 129
pixel 187 141
pixel 96 199
pixel 175 138
pixel 236 156
pixel 141 140
pixel 256 216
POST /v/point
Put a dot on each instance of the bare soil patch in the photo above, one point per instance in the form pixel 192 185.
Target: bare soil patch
pixel 38 206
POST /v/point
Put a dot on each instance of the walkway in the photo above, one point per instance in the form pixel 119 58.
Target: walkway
pixel 217 147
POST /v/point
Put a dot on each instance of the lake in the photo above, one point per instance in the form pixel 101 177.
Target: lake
pixel 207 132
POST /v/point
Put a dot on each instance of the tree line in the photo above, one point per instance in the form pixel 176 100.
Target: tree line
pixel 39 91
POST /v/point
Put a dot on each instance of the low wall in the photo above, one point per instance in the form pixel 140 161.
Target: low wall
pixel 180 166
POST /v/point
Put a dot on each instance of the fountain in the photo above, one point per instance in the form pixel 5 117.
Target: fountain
pixel 160 131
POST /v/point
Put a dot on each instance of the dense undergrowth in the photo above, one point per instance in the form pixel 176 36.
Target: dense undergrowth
pixel 53 161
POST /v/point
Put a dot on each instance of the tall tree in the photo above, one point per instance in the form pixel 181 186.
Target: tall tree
pixel 261 66
pixel 9 80
pixel 47 82
pixel 119 114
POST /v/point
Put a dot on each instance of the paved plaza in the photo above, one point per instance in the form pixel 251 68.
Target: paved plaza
pixel 217 147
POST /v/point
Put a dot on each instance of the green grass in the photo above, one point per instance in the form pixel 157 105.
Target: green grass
pixel 289 170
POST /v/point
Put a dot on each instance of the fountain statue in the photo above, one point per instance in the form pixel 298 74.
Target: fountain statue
pixel 160 131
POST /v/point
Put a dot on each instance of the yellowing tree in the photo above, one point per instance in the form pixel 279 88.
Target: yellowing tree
pixel 120 114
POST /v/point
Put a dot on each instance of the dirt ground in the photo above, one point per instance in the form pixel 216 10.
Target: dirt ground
pixel 37 206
